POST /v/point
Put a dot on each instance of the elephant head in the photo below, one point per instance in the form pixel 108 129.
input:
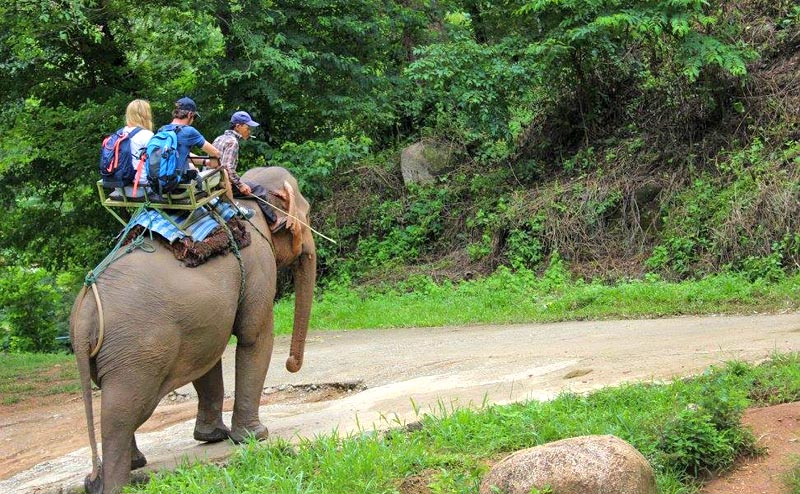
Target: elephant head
pixel 294 247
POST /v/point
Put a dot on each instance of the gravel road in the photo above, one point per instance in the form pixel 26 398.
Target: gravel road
pixel 462 366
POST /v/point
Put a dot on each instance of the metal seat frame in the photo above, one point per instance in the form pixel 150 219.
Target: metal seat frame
pixel 183 198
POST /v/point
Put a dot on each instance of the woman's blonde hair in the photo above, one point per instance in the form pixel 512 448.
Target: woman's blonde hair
pixel 138 114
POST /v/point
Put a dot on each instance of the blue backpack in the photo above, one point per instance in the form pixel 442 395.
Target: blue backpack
pixel 163 170
pixel 116 163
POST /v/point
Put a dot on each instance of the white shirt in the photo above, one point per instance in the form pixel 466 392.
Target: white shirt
pixel 138 146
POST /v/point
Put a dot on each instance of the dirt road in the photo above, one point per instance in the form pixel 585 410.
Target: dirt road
pixel 371 377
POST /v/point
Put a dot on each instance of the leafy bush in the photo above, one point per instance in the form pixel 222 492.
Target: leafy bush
pixel 694 445
pixel 314 162
pixel 399 231
pixel 524 247
pixel 706 435
pixel 739 219
pixel 31 306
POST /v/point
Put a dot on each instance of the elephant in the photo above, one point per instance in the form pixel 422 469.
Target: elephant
pixel 165 325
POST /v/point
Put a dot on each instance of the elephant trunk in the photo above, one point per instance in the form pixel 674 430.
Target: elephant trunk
pixel 305 276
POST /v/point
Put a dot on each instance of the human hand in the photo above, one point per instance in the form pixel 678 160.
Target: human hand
pixel 245 189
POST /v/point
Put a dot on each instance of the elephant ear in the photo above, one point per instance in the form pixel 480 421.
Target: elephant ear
pixel 294 223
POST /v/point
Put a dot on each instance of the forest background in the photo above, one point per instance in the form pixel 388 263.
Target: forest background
pixel 617 139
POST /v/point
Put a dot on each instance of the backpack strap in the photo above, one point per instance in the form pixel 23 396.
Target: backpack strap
pixel 115 161
pixel 139 168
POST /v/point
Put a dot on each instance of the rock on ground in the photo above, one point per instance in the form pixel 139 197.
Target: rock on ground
pixel 422 161
pixel 578 465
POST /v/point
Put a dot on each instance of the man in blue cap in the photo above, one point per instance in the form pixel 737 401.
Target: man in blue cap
pixel 183 116
pixel 228 146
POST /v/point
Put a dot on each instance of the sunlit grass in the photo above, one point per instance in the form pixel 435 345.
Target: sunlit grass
pixel 792 477
pixel 25 375
pixel 509 297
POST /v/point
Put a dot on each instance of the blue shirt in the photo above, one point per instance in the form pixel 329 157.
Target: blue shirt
pixel 188 137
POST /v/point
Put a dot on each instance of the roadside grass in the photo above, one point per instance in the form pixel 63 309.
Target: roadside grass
pixel 507 297
pixel 503 298
pixel 27 375
pixel 685 429
pixel 793 477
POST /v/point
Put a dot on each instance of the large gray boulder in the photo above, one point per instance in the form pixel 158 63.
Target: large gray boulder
pixel 579 465
pixel 422 161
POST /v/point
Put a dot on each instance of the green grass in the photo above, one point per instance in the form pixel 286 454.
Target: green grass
pixel 685 429
pixel 26 375
pixel 507 297
pixel 793 478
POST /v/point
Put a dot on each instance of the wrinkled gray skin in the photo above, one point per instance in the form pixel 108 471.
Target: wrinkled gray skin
pixel 167 325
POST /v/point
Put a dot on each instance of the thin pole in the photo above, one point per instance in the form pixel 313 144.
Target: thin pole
pixel 295 218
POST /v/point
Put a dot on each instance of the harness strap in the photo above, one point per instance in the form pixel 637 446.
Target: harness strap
pixel 267 238
pixel 235 249
pixel 138 242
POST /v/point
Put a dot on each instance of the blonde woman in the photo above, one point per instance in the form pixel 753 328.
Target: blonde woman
pixel 138 114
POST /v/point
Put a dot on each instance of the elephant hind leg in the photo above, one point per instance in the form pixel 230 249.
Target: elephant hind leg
pixel 126 404
pixel 116 457
pixel 138 459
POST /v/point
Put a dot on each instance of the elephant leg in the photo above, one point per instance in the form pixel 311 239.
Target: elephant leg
pixel 126 404
pixel 252 361
pixel 138 459
pixel 208 425
pixel 117 431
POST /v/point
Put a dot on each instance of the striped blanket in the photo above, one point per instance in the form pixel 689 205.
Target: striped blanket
pixel 155 222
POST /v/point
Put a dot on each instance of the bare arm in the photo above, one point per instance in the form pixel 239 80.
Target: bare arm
pixel 211 151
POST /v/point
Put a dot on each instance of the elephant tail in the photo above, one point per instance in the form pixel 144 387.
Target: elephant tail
pixel 80 329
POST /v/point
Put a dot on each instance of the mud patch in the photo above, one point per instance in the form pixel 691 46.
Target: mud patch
pixel 417 484
pixel 577 373
pixel 310 393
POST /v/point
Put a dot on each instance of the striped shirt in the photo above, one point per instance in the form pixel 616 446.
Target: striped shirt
pixel 228 146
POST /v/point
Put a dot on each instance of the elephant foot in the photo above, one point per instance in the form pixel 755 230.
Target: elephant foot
pixel 138 460
pixel 242 434
pixel 215 436
pixel 94 486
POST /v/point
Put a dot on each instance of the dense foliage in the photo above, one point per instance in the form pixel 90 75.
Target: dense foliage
pixel 654 136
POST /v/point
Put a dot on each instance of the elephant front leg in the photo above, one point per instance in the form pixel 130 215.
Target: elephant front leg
pixel 208 426
pixel 252 362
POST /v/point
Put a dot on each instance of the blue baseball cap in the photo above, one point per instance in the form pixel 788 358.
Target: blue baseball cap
pixel 242 117
pixel 187 104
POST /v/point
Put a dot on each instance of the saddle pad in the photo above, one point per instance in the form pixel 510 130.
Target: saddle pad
pixel 154 221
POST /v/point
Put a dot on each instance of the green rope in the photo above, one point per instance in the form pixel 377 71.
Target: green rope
pixel 235 249
pixel 269 240
pixel 137 243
